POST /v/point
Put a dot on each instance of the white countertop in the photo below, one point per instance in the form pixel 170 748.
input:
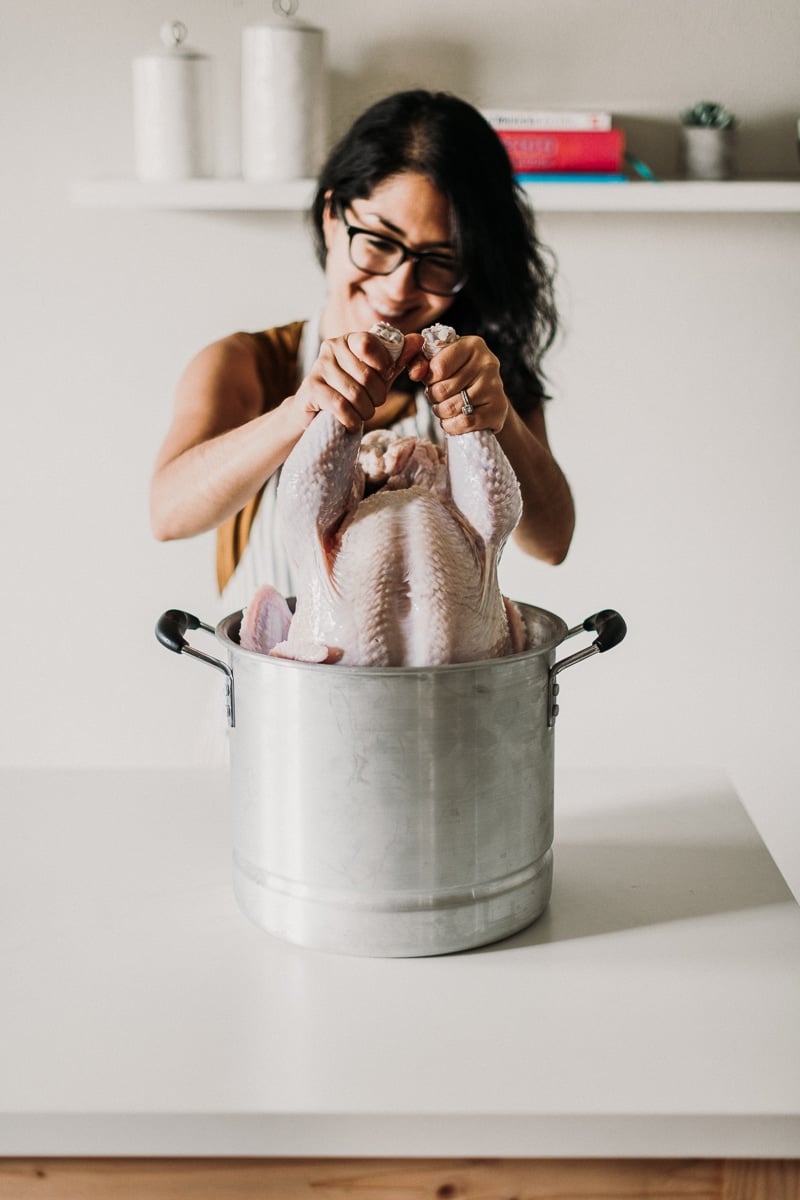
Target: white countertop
pixel 653 1010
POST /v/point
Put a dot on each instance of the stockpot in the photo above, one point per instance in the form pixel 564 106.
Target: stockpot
pixel 393 811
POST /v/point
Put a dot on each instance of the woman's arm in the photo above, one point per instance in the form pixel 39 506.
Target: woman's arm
pixel 221 448
pixel 548 515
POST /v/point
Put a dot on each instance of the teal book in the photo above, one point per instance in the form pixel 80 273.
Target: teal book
pixel 570 177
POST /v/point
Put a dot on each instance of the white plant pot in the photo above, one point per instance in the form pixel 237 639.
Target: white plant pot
pixel 708 153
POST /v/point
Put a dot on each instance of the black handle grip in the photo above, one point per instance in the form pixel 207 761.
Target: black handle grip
pixel 609 626
pixel 172 625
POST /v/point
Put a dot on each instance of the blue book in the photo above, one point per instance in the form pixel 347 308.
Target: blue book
pixel 570 177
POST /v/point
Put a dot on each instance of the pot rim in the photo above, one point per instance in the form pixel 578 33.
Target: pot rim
pixel 227 631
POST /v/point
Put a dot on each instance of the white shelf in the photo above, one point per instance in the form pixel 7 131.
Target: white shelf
pixel 742 196
pixel 236 195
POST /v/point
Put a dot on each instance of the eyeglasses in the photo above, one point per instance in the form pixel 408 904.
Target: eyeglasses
pixel 376 254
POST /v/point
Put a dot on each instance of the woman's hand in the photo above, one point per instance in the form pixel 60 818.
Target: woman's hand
pixel 351 378
pixel 467 365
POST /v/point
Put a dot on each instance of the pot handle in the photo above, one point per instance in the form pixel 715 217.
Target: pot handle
pixel 610 629
pixel 170 629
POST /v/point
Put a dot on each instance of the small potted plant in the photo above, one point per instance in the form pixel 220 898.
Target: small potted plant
pixel 708 141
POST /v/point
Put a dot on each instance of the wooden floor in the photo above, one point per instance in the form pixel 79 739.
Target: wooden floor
pixel 399 1179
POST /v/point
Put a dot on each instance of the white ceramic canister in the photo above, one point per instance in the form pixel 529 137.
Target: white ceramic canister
pixel 284 97
pixel 173 109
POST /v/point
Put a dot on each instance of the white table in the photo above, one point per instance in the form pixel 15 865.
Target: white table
pixel 652 1013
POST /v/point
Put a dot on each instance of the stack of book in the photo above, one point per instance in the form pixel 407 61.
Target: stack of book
pixel 555 147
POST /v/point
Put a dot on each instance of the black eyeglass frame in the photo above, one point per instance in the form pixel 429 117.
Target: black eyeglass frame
pixel 416 256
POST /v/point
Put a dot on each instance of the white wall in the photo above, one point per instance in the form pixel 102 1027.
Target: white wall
pixel 676 375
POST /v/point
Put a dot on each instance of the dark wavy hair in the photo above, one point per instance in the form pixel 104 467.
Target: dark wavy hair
pixel 508 298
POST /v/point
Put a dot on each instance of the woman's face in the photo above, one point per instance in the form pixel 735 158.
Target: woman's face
pixel 409 209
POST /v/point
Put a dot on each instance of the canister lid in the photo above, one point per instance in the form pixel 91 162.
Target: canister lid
pixel 285 18
pixel 173 43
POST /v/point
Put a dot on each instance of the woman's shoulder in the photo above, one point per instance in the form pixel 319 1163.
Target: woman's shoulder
pixel 275 344
pixel 282 339
pixel 260 367
pixel 276 354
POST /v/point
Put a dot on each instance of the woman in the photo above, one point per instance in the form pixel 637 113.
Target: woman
pixel 417 220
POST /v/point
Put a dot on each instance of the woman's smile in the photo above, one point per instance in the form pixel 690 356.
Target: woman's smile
pixel 406 208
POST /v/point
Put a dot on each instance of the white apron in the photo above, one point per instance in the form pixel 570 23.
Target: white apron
pixel 265 559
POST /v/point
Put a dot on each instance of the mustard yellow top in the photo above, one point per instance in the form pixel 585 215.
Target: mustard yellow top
pixel 277 353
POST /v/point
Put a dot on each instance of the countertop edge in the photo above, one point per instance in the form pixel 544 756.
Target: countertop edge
pixel 657 1135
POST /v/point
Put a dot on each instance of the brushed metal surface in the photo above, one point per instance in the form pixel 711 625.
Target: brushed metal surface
pixel 393 812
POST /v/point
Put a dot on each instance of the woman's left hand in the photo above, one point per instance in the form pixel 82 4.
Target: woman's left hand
pixel 463 368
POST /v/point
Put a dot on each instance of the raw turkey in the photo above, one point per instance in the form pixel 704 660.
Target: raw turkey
pixel 394 544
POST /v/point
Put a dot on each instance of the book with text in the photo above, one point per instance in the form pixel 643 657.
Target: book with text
pixel 564 150
pixel 542 119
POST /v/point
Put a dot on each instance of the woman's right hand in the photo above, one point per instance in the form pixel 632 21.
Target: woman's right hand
pixel 221 446
pixel 351 378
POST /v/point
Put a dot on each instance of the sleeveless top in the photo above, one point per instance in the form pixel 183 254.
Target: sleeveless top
pixel 250 549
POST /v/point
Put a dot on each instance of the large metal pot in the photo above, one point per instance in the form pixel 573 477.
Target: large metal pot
pixel 393 811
